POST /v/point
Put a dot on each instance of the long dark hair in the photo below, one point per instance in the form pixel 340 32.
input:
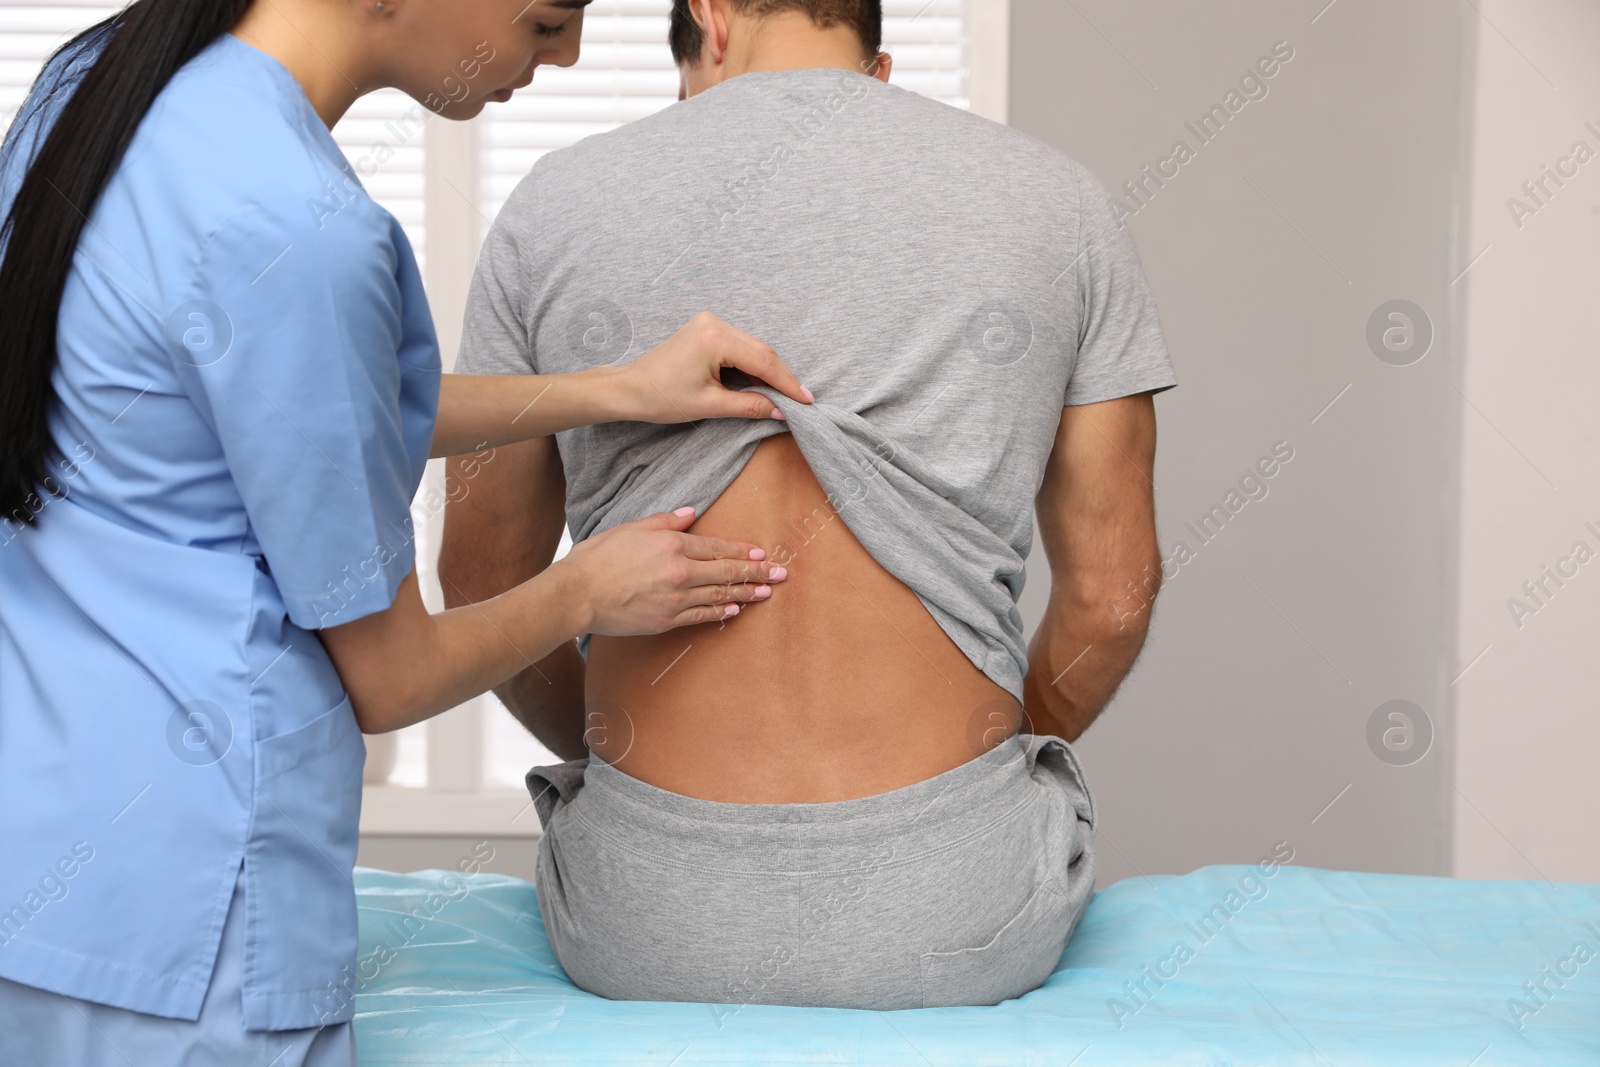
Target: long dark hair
pixel 129 58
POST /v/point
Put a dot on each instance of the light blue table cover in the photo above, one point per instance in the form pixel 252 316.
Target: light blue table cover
pixel 1325 968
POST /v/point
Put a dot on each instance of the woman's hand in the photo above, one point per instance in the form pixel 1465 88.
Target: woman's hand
pixel 677 381
pixel 402 665
pixel 680 379
pixel 649 576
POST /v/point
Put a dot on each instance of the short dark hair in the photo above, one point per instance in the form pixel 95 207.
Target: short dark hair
pixel 864 16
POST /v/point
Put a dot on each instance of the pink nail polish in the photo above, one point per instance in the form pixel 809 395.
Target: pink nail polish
pixel 778 414
pixel 758 553
pixel 684 513
pixel 763 590
pixel 733 609
pixel 810 396
pixel 778 574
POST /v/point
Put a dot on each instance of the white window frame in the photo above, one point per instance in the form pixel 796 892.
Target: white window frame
pixel 987 27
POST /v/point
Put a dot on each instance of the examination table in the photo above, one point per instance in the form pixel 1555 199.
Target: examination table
pixel 1305 967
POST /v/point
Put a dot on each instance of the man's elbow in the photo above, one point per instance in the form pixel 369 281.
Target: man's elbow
pixel 461 580
pixel 1117 606
pixel 469 570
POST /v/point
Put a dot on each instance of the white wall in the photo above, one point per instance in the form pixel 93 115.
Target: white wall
pixel 1528 745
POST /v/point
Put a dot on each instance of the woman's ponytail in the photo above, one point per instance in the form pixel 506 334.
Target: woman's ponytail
pixel 139 50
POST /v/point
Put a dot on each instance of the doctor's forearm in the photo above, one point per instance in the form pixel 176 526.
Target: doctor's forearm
pixel 679 380
pixel 482 411
pixel 403 665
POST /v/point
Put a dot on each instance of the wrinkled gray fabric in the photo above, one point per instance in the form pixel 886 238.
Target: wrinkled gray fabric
pixel 942 283
pixel 959 890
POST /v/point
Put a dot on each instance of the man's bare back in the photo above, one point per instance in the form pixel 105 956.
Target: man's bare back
pixel 841 686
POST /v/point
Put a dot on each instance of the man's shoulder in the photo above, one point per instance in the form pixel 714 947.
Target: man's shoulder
pixel 919 123
pixel 686 140
pixel 960 150
pixel 566 178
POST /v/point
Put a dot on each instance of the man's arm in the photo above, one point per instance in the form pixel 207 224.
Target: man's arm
pixel 1096 511
pixel 502 526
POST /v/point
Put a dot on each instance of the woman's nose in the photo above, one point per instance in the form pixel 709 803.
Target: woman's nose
pixel 565 56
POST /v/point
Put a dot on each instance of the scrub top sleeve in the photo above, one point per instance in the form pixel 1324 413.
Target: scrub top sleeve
pixel 289 346
pixel 1121 349
pixel 494 334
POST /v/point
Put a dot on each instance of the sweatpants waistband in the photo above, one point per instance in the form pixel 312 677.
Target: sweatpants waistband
pixel 883 829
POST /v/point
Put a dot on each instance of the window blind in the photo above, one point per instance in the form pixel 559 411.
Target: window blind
pixel 625 72
pixel 29 32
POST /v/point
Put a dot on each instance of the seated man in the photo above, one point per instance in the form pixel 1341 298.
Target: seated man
pixel 889 815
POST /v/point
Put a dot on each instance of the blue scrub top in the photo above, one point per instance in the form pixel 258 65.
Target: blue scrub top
pixel 248 381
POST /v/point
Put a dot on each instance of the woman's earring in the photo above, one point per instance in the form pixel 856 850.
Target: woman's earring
pixel 378 6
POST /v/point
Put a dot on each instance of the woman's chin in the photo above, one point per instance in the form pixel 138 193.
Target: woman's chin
pixel 460 111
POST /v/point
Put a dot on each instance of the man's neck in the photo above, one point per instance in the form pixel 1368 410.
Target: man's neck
pixel 789 40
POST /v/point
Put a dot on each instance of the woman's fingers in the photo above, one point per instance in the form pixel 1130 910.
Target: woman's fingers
pixel 760 360
pixel 704 613
pixel 725 573
pixel 725 561
pixel 716 562
pixel 680 380
pixel 679 520
pixel 714 603
pixel 648 576
pixel 697 546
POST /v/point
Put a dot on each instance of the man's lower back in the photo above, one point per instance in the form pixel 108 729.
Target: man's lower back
pixel 841 686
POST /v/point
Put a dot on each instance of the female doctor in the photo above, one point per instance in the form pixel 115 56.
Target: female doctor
pixel 219 383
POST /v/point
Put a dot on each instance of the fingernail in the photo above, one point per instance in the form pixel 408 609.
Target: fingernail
pixel 778 414
pixel 758 553
pixel 778 574
pixel 732 610
pixel 810 396
pixel 763 591
pixel 684 513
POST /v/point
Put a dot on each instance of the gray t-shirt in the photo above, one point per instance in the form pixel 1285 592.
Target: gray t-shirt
pixel 942 283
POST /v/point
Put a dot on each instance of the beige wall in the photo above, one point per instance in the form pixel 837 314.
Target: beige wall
pixel 1342 189
pixel 1379 166
pixel 1528 747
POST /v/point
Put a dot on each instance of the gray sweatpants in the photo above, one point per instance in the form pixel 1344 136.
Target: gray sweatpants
pixel 959 890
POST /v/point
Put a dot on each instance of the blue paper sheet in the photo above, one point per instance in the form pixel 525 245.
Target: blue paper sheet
pixel 1308 967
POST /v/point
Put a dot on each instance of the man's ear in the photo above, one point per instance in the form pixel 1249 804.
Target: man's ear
pixel 879 66
pixel 712 18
